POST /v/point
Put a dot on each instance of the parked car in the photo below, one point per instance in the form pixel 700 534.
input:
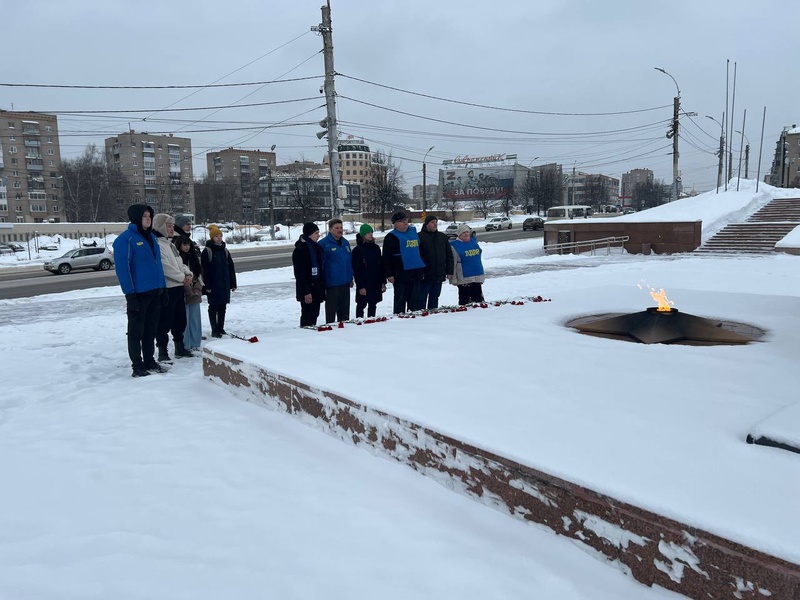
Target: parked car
pixel 451 231
pixel 16 246
pixel 99 259
pixel 533 223
pixel 499 223
pixel 6 249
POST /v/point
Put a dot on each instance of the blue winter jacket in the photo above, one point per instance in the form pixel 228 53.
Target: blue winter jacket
pixel 137 262
pixel 337 261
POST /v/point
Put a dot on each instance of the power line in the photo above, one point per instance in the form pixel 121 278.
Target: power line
pixel 583 133
pixel 156 87
pixel 515 110
pixel 141 110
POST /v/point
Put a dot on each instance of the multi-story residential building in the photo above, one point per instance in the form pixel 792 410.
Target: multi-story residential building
pixel 156 169
pixel 30 158
pixel 354 160
pixel 243 169
pixel 587 188
pixel 431 193
pixel 785 170
pixel 629 182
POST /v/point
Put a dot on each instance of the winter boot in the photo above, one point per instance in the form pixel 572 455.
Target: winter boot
pixel 212 318
pixel 221 322
pixel 181 351
pixel 163 355
pixel 140 372
pixel 155 368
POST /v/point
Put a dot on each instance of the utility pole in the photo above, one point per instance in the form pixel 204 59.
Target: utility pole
pixel 747 161
pixel 425 182
pixel 326 30
pixel 673 133
pixel 271 206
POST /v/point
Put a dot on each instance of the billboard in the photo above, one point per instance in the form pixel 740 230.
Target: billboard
pixel 477 183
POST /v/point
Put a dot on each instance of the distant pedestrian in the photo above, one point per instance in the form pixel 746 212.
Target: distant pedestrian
pixel 173 312
pixel 219 276
pixel 402 263
pixel 192 293
pixel 309 282
pixel 435 250
pixel 468 274
pixel 137 261
pixel 368 272
pixel 338 272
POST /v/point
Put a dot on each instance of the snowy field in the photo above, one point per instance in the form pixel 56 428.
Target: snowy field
pixel 169 487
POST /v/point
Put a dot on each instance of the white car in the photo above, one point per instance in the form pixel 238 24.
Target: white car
pixel 99 259
pixel 499 223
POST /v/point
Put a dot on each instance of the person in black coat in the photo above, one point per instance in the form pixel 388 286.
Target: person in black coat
pixel 307 260
pixel 402 263
pixel 368 272
pixel 438 257
pixel 219 277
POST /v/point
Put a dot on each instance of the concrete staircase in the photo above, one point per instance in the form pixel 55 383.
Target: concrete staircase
pixel 759 233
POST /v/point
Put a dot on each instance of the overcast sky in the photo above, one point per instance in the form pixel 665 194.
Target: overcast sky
pixel 550 56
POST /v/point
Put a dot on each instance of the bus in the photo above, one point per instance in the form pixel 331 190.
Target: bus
pixel 575 211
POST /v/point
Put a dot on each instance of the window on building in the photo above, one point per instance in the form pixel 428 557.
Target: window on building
pixel 49 139
pixel 51 152
pixel 136 163
pixel 48 128
pixel 15 173
pixel 38 208
pixel 20 219
pixel 11 125
pixel 17 185
pixel 12 149
pixel 53 186
pixel 18 208
pixel 14 161
pixel 51 163
pixel 12 138
pixel 133 154
pixel 56 209
pixel 3 207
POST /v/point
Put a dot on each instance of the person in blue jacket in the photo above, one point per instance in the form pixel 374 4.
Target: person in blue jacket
pixel 337 269
pixel 468 274
pixel 403 264
pixel 137 261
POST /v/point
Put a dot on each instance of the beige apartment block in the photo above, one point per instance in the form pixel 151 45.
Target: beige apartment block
pixel 243 169
pixel 30 159
pixel 157 169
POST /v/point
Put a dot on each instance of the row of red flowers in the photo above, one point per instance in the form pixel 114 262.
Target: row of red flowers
pixel 433 311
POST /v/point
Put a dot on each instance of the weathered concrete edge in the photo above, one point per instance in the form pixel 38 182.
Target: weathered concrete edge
pixel 655 550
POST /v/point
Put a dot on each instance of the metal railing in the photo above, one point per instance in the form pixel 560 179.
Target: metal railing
pixel 588 245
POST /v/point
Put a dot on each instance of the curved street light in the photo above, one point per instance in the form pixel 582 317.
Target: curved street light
pixel 424 181
pixel 671 77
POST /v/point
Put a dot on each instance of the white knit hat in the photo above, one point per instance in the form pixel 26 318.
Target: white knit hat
pixel 462 228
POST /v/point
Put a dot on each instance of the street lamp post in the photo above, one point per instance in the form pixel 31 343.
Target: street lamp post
pixel 673 133
pixel 424 182
pixel 528 190
pixel 721 151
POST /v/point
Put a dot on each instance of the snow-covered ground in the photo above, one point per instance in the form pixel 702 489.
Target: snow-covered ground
pixel 169 487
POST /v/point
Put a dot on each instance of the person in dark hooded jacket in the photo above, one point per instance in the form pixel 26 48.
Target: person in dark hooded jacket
pixel 137 262
pixel 307 262
pixel 435 250
pixel 219 276
pixel 368 272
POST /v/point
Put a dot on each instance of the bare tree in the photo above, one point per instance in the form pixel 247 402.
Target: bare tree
pixel 595 192
pixel 647 194
pixel 302 186
pixel 544 188
pixel 216 201
pixel 384 183
pixel 484 194
pixel 86 188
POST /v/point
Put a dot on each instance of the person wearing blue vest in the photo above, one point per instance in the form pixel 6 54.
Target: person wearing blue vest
pixel 403 264
pixel 468 273
pixel 337 270
pixel 137 262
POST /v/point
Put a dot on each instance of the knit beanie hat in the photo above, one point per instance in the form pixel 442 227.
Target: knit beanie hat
pixel 213 231
pixel 181 221
pixel 365 229
pixel 428 219
pixel 309 229
pixel 462 228
pixel 399 216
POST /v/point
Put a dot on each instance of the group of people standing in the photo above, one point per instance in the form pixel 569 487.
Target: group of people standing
pixel 163 274
pixel 415 263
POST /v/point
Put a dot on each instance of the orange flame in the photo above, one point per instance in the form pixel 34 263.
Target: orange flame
pixel 664 304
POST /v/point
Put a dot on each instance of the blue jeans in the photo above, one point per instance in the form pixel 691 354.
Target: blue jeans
pixel 194 326
pixel 429 292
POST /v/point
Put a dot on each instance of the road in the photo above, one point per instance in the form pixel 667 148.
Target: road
pixel 26 282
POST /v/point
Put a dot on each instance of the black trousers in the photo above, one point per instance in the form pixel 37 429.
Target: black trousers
pixel 361 304
pixel 172 318
pixel 216 316
pixel 406 295
pixel 470 292
pixel 142 325
pixel 337 303
pixel 309 313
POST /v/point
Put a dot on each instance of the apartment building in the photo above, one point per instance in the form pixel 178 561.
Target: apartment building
pixel 785 170
pixel 242 169
pixel 30 158
pixel 590 189
pixel 156 169
pixel 630 180
pixel 354 160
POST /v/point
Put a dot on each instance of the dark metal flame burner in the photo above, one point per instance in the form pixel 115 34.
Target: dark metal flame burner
pixel 653 326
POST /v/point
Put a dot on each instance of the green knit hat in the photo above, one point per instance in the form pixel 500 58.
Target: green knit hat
pixel 365 229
